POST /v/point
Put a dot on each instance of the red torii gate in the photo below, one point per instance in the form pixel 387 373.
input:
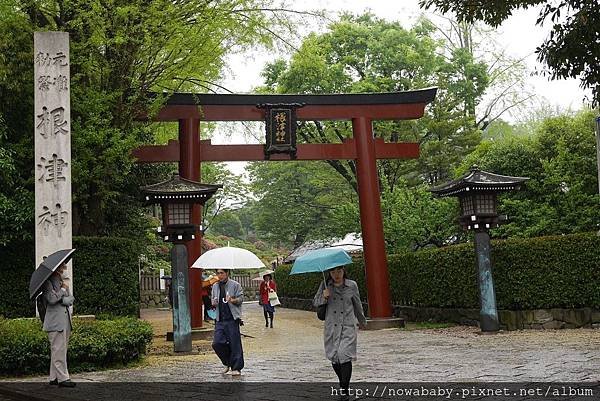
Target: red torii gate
pixel 362 109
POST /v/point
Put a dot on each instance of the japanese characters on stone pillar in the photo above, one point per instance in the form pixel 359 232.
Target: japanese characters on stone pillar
pixel 52 132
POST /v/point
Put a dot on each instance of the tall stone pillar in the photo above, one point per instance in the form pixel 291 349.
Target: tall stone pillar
pixel 52 133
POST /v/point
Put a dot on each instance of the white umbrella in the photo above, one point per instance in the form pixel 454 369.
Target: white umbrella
pixel 228 257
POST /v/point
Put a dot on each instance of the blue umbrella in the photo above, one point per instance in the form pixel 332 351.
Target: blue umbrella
pixel 320 260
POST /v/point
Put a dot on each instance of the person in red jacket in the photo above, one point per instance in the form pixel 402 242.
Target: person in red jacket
pixel 265 286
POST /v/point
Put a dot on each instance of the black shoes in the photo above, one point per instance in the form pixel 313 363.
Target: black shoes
pixel 66 383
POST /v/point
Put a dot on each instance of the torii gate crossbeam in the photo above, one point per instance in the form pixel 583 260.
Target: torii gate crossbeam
pixel 361 109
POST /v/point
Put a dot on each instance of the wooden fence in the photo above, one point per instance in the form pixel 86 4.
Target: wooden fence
pixel 151 282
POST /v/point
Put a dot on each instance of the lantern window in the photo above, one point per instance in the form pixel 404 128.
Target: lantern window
pixel 486 203
pixel 467 205
pixel 179 213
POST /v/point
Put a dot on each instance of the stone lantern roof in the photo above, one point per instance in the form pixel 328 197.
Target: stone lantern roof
pixel 178 189
pixel 477 180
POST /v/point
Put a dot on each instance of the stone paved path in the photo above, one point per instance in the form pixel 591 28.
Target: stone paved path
pixel 293 351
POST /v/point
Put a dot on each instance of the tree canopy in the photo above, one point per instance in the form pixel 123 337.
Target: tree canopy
pixel 561 196
pixel 572 49
pixel 120 51
pixel 368 54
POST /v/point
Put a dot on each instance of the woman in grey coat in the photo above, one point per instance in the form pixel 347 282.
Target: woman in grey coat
pixel 57 322
pixel 344 315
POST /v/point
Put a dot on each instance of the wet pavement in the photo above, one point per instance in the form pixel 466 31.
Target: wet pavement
pixel 293 352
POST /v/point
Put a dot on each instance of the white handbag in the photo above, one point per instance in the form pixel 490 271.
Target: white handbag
pixel 273 299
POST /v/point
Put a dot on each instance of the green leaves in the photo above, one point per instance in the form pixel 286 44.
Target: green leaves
pixel 120 50
pixel 413 219
pixel 298 201
pixel 560 159
pixel 533 273
pixel 367 54
pixel 572 48
pixel 24 346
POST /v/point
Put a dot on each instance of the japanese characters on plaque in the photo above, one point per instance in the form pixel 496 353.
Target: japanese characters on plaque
pixel 52 133
pixel 281 129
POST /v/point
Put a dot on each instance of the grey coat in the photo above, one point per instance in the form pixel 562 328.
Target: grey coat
pixel 58 300
pixel 344 312
pixel 234 289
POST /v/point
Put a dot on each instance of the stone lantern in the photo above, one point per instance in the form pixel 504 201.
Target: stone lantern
pixel 477 192
pixel 177 197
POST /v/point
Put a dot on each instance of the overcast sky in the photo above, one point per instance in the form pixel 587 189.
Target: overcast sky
pixel 518 35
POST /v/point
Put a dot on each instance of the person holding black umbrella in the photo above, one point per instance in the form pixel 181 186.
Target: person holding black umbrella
pixel 57 323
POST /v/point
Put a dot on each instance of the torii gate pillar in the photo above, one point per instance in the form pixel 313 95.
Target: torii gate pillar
pixel 378 283
pixel 189 167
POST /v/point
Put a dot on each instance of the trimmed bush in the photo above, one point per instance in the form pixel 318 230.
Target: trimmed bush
pixel 94 344
pixel 533 273
pixel 18 259
pixel 105 277
pixel 444 277
pixel 548 272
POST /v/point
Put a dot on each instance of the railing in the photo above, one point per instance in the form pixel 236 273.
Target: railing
pixel 246 281
pixel 151 282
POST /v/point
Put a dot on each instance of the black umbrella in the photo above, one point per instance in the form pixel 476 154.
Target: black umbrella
pixel 46 268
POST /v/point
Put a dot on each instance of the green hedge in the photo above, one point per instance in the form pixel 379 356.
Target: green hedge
pixel 18 261
pixel 545 272
pixel 24 346
pixel 105 277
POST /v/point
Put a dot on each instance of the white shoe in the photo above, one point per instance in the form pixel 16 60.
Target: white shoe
pixel 236 373
pixel 225 370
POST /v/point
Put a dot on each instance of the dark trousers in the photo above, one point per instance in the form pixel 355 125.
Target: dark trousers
pixel 227 343
pixel 344 373
pixel 207 305
pixel 267 316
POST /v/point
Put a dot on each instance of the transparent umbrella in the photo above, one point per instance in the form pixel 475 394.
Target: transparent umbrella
pixel 228 257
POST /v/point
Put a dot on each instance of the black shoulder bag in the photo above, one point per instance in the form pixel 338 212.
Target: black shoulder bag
pixel 322 311
pixel 40 302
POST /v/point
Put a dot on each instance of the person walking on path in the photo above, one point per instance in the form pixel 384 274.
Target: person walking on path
pixel 227 297
pixel 266 286
pixel 57 323
pixel 344 315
